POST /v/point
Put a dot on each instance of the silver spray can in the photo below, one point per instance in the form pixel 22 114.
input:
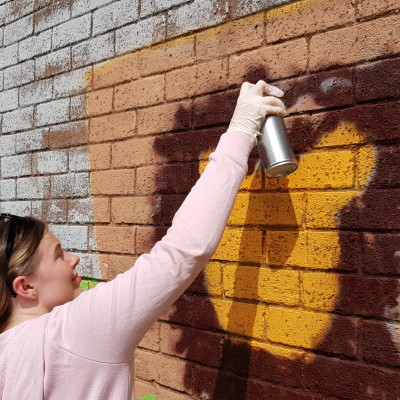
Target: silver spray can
pixel 275 150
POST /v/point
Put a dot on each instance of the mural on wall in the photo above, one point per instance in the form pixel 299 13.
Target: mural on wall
pixel 296 267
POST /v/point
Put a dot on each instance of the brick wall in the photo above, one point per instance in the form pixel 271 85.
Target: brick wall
pixel 108 111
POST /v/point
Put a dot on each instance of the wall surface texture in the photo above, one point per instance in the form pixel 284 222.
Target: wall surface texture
pixel 108 112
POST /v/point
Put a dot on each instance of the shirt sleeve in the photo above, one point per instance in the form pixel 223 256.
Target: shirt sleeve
pixel 106 323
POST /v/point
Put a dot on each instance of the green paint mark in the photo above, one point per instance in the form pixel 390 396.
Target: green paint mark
pixel 148 397
pixel 88 283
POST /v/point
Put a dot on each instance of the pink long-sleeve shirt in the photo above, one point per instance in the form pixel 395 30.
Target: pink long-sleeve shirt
pixel 83 350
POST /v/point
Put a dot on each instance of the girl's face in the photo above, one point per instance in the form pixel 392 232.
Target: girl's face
pixel 55 280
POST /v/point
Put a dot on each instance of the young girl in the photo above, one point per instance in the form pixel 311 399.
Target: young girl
pixel 59 343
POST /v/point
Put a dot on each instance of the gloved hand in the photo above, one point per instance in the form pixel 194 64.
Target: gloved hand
pixel 252 107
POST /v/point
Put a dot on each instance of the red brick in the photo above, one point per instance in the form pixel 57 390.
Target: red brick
pixel 372 84
pixel 230 38
pixel 135 152
pixel 116 239
pixel 317 91
pixel 367 8
pixel 167 394
pixel 307 17
pixel 112 127
pixel 143 388
pixel 115 72
pixel 146 365
pixel 359 42
pixel 379 343
pixel 101 209
pixel 174 54
pixel 164 118
pixel 192 344
pixel 135 210
pixel 151 339
pixel 270 62
pixel 113 182
pixel 100 101
pixel 197 79
pixel 147 237
pixel 381 255
pixel 118 264
pixel 100 156
pixel 142 92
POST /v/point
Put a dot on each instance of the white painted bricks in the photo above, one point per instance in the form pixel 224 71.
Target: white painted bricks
pixel 33 187
pixel 52 112
pixel 72 237
pixel 72 31
pixel 50 162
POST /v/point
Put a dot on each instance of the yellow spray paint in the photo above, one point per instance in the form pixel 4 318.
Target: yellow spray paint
pixel 282 296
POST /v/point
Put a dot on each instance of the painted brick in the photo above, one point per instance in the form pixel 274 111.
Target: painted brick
pixel 195 80
pixel 100 101
pixel 206 347
pixel 174 54
pixel 168 179
pixel 22 208
pixel 13 166
pixel 230 38
pixel 71 237
pixel 2 12
pixel 9 55
pixel 143 388
pixel 33 188
pixel 41 4
pixel 93 50
pixel 112 127
pixel 8 100
pixel 290 58
pixel 372 84
pixel 71 83
pixel 100 156
pixel 143 92
pixel 49 162
pixel 54 211
pixel 34 45
pixel 196 15
pixel 113 182
pixel 307 17
pixel 149 7
pixel 84 6
pixel 140 34
pixel 136 210
pixel 147 236
pixel 366 8
pixel 116 14
pixel 53 15
pixel 118 264
pixel 70 134
pixel 257 5
pixel 70 185
pixel 135 152
pixel 80 211
pixel 52 112
pixel 360 42
pixel 18 30
pixel 71 31
pixel 19 74
pixel 53 63
pixel 88 266
pixel 16 9
pixel 36 92
pixel 111 73
pixel 78 159
pixel 8 189
pixel 1 79
pixel 101 209
pixel 7 145
pixel 163 118
pixel 122 239
pixel 263 284
pixel 79 107
pixel 18 120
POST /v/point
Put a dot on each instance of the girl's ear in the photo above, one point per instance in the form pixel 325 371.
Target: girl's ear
pixel 23 288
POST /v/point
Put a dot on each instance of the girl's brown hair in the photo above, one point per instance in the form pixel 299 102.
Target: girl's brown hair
pixel 23 255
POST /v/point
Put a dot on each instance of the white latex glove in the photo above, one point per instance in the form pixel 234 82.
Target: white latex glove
pixel 253 106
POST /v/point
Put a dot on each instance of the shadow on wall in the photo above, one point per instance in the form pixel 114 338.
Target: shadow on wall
pixel 228 363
